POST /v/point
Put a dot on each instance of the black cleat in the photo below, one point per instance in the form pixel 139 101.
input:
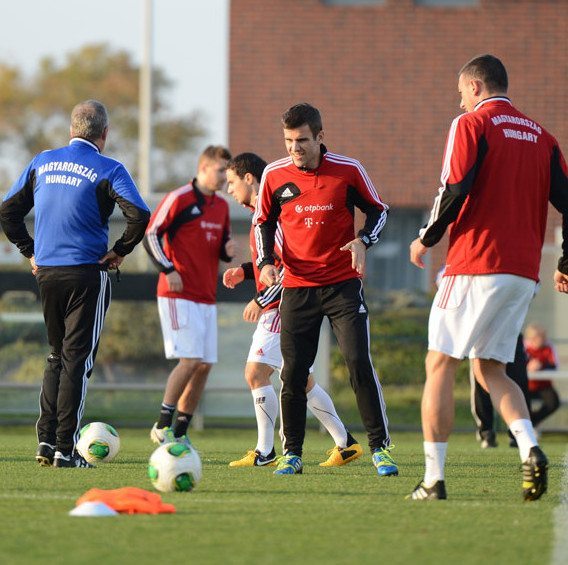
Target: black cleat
pixel 44 454
pixel 436 492
pixel 72 461
pixel 535 477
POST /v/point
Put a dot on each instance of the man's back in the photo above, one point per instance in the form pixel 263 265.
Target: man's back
pixel 70 189
pixel 504 160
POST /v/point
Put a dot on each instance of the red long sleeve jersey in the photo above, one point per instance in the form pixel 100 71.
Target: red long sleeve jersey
pixel 315 209
pixel 500 169
pixel 187 233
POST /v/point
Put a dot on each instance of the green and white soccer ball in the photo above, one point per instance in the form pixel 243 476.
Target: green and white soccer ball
pixel 98 442
pixel 174 467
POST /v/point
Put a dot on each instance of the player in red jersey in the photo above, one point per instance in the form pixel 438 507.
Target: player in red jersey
pixel 500 170
pixel 541 357
pixel 188 233
pixel 313 194
pixel 243 177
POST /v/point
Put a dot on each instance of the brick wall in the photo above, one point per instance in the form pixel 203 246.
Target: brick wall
pixel 384 77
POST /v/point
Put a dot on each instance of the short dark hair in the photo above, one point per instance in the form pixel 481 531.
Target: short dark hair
pixel 299 114
pixel 247 163
pixel 214 153
pixel 489 70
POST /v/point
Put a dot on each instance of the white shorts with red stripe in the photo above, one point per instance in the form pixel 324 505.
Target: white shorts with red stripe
pixel 479 316
pixel 189 329
pixel 265 346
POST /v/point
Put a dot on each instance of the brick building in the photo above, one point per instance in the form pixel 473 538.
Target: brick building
pixel 384 75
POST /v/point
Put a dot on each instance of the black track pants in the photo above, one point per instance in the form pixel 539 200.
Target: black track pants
pixel 302 311
pixel 75 301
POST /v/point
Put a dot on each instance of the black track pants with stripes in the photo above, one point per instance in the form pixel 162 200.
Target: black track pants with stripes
pixel 74 300
pixel 302 310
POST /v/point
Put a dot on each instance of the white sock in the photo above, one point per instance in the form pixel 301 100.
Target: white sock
pixel 266 411
pixel 435 453
pixel 523 432
pixel 321 406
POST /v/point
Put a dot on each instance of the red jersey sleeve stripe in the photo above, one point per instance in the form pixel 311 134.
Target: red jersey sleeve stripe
pixel 446 169
pixel 157 221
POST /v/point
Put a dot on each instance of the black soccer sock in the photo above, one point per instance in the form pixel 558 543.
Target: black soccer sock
pixel 166 416
pixel 182 423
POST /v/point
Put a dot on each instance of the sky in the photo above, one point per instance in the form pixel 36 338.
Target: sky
pixel 183 31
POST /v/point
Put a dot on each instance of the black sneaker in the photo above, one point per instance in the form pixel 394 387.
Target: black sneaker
pixel 535 477
pixel 488 439
pixel 436 492
pixel 75 461
pixel 44 454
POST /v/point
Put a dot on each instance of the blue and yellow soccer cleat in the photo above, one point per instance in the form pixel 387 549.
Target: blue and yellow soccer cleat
pixel 384 463
pixel 289 464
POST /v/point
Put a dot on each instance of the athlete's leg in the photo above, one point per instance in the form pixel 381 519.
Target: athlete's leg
pixel 322 407
pixel 301 319
pixel 508 401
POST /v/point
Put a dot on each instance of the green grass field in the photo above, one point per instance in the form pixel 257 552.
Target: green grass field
pixel 339 515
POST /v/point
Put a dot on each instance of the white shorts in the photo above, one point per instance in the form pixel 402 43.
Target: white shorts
pixel 189 329
pixel 479 316
pixel 265 346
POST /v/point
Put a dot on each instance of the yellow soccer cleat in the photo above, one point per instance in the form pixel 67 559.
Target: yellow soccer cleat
pixel 255 459
pixel 342 455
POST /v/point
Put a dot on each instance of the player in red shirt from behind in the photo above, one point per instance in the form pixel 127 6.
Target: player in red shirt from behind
pixel 500 171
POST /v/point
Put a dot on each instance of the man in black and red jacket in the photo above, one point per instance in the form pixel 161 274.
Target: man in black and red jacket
pixel 313 195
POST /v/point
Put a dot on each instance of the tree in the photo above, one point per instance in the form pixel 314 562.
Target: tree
pixel 34 113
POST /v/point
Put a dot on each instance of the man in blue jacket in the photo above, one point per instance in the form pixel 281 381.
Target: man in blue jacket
pixel 73 190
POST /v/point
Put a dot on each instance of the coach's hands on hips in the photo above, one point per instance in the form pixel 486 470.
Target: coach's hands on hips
pixel 269 275
pixel 561 282
pixel 417 251
pixel 252 312
pixel 33 264
pixel 234 276
pixel 175 284
pixel 112 260
pixel 358 254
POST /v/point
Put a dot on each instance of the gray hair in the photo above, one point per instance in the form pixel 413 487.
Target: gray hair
pixel 89 120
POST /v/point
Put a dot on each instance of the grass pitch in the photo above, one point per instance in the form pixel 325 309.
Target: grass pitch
pixel 338 515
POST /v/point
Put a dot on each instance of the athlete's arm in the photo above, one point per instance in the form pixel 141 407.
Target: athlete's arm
pixel 271 294
pixel 465 151
pixel 559 199
pixel 234 276
pixel 252 312
pixel 358 254
pixel 265 220
pixel 364 195
pixel 16 205
pixel 121 188
pixel 160 221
